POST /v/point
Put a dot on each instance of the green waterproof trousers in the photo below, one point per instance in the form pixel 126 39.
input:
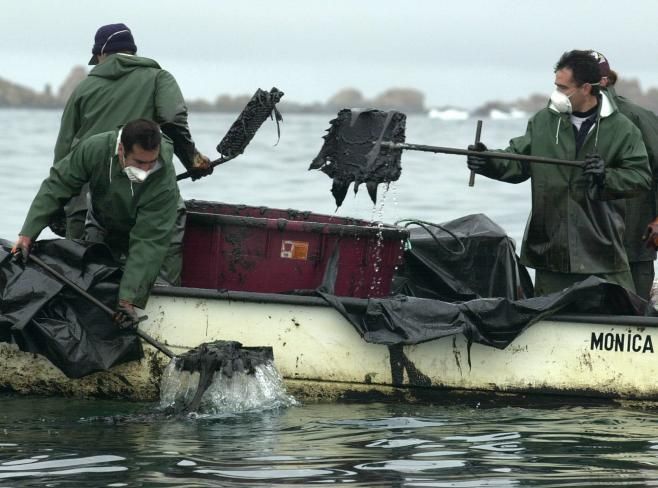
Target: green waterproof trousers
pixel 549 282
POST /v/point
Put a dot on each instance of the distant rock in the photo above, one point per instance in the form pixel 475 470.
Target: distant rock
pixel 407 100
pixel 77 74
pixel 632 90
pixel 629 88
pixel 13 95
pixel 512 110
pixel 346 98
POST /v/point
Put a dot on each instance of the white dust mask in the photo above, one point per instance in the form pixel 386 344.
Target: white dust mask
pixel 136 175
pixel 561 102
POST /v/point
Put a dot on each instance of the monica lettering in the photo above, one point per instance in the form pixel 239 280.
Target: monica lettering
pixel 628 342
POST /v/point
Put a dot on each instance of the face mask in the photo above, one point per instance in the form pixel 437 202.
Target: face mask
pixel 561 101
pixel 135 174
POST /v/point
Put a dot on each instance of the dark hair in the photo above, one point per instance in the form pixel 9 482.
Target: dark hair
pixel 144 132
pixel 612 77
pixel 584 67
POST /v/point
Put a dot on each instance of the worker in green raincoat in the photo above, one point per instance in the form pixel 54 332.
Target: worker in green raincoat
pixel 576 224
pixel 123 87
pixel 134 198
pixel 642 210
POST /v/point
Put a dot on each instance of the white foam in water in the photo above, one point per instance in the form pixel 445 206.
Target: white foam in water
pixel 242 393
pixel 177 388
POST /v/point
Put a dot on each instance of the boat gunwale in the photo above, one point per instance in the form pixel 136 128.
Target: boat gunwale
pixel 361 229
pixel 362 303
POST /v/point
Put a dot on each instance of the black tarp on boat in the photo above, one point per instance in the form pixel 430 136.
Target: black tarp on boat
pixel 466 258
pixel 43 316
pixel 463 277
pixel 490 321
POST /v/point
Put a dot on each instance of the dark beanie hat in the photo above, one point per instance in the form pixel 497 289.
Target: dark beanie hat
pixel 112 38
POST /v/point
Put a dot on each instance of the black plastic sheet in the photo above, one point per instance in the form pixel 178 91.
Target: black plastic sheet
pixel 490 321
pixel 463 277
pixel 41 315
pixel 467 258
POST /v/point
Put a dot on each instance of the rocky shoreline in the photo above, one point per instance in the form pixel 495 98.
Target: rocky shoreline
pixel 407 100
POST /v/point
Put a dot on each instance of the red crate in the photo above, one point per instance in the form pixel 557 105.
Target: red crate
pixel 260 249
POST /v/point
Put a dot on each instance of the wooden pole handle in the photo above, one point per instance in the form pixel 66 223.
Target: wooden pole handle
pixel 158 345
pixel 478 133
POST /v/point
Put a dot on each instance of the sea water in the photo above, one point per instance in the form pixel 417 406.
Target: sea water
pixel 431 187
pixel 242 392
pixel 466 442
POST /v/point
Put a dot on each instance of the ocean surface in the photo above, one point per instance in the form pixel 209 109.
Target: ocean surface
pixel 432 187
pixel 502 442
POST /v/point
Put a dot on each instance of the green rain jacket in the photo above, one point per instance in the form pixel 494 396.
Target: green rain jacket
pixel 570 229
pixel 139 217
pixel 121 89
pixel 640 211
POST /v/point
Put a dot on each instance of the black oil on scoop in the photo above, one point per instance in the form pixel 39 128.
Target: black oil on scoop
pixel 220 357
pixel 259 108
pixel 365 146
pixel 353 150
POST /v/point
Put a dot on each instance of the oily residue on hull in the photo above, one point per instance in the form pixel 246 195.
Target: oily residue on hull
pixel 237 260
pixel 457 353
pixel 33 374
pixel 401 363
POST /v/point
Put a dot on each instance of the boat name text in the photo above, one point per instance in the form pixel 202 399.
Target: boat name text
pixel 628 342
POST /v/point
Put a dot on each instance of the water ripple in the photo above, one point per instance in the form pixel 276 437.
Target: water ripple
pixel 34 467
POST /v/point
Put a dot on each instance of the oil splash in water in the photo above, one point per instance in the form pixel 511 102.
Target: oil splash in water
pixel 240 393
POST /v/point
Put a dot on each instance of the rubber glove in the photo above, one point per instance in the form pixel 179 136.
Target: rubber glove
pixel 477 163
pixel 594 168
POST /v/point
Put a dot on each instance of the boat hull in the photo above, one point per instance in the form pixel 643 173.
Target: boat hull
pixel 322 356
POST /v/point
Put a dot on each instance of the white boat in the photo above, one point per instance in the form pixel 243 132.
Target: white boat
pixel 317 350
pixel 322 356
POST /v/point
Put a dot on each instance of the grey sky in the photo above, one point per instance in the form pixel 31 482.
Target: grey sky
pixel 457 52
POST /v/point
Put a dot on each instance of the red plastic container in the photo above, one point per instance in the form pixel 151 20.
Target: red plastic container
pixel 260 249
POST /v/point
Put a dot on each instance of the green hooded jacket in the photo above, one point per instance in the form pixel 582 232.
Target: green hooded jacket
pixel 640 211
pixel 124 88
pixel 139 217
pixel 572 229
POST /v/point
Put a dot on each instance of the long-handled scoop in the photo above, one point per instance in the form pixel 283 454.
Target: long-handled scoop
pixel 478 133
pixel 221 357
pixel 261 106
pixel 487 154
pixel 158 345
pixel 365 146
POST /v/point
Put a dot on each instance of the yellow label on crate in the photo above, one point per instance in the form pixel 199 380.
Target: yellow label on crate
pixel 294 250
